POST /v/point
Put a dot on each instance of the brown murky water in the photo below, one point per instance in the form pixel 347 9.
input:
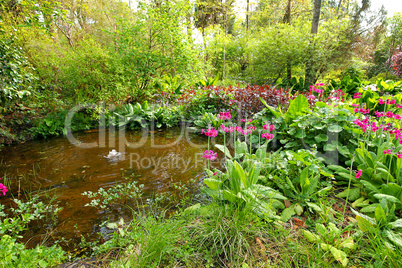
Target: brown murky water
pixel 66 171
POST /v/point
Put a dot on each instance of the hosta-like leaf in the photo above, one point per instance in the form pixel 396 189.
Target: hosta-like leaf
pixel 224 150
pixel 394 237
pixel 335 128
pixel 396 224
pixel 321 230
pixel 321 138
pixel 389 198
pixel 340 256
pixel 348 243
pixel 354 193
pixel 312 238
pixel 314 206
pixel 298 209
pixel 213 183
pixel 361 202
pixel 287 213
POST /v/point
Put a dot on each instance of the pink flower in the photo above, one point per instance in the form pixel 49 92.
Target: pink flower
pixel 268 136
pixel 210 155
pixel 268 127
pixel 232 101
pixel 399 155
pixel 381 101
pixel 355 105
pixel 3 188
pixel 214 174
pixel 210 132
pixel 359 174
pixel 224 116
pixel 224 128
pixel 397 116
pixel 379 114
pixel 357 95
pixel 388 151
pixel 390 102
pixel 399 106
pixel 390 114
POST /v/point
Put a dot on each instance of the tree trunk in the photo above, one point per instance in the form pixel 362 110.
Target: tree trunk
pixel 311 69
pixel 316 16
pixel 247 18
pixel 287 19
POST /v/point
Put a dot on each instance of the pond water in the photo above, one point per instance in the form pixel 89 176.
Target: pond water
pixel 64 168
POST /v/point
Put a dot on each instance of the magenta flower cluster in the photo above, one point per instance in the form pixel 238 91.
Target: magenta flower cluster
pixel 3 188
pixel 268 127
pixel 210 132
pixel 224 116
pixel 210 155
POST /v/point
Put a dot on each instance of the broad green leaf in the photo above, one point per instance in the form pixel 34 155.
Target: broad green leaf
pixel 312 238
pixel 369 186
pixel 314 206
pixel 354 193
pixel 304 181
pixel 369 208
pixel 396 224
pixel 389 198
pixel 224 150
pixel 214 184
pixel 229 196
pixel 254 173
pixel 287 213
pixel 348 243
pixel 298 209
pixel 379 214
pixel 321 229
pixel 340 256
pixel 361 202
pixel 335 128
pixel 396 238
pixel 240 175
pixel 298 106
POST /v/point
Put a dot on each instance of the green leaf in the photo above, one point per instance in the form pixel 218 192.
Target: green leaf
pixel 321 229
pixel 312 238
pixel 379 214
pixel 287 213
pixel 254 173
pixel 224 150
pixel 240 174
pixel 213 184
pixel 354 193
pixel 314 206
pixel 335 128
pixel 396 238
pixel 396 224
pixel 304 181
pixel 348 243
pixel 361 202
pixel 321 138
pixel 340 256
pixel 389 198
pixel 298 209
pixel 298 106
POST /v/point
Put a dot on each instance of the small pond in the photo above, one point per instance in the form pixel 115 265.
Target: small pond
pixel 65 167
